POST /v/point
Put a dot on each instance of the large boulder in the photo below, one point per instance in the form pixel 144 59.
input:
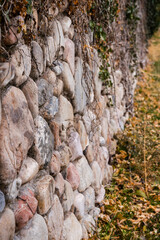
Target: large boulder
pixel 16 133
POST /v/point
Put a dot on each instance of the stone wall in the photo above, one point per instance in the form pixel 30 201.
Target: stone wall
pixel 56 134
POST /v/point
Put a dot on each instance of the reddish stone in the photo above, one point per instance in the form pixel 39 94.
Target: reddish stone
pixel 73 176
pixel 26 208
pixel 32 202
pixel 22 214
pixel 55 130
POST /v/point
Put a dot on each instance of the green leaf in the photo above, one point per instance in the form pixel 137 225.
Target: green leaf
pixel 141 193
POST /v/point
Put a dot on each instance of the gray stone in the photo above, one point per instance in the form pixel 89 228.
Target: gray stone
pixel 65 112
pixel 119 94
pixel 68 197
pixel 54 220
pixel 89 195
pixel 95 69
pixel 102 141
pixel 79 202
pixel 95 213
pixel 80 99
pixel 45 91
pixel 64 152
pixel 85 173
pixel 37 54
pixel 72 229
pixel 28 169
pixel 36 229
pixel 2 201
pixel 69 54
pixel 108 172
pixel 44 141
pixel 75 146
pixel 45 189
pixel 97 175
pixel 105 128
pixel 89 117
pixel 50 108
pixel 87 83
pixel 7 73
pixel 100 195
pixel 57 67
pixel 68 80
pixel 7 225
pixel 118 76
pixel 89 223
pixel 16 133
pixel 59 184
pixel 50 50
pixel 14 188
pixel 21 60
pixel 30 91
pixel 84 231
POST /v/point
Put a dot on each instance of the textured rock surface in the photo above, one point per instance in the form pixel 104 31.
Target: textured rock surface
pixel 50 108
pixel 68 197
pixel 7 224
pixel 54 220
pixel 68 80
pixel 7 73
pixel 36 229
pixel 89 195
pixel 75 146
pixel 21 59
pixel 44 141
pixel 54 165
pixel 37 65
pixel 50 50
pixel 30 91
pixel 59 185
pixel 2 201
pixel 79 203
pixel 83 135
pixel 45 193
pixel 80 98
pixel 97 175
pixel 26 207
pixel 45 91
pixel 28 169
pixel 69 54
pixel 72 176
pixel 65 112
pixel 85 173
pixel 72 229
pixel 16 133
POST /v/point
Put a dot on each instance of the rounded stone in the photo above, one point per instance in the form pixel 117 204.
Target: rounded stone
pixel 2 201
